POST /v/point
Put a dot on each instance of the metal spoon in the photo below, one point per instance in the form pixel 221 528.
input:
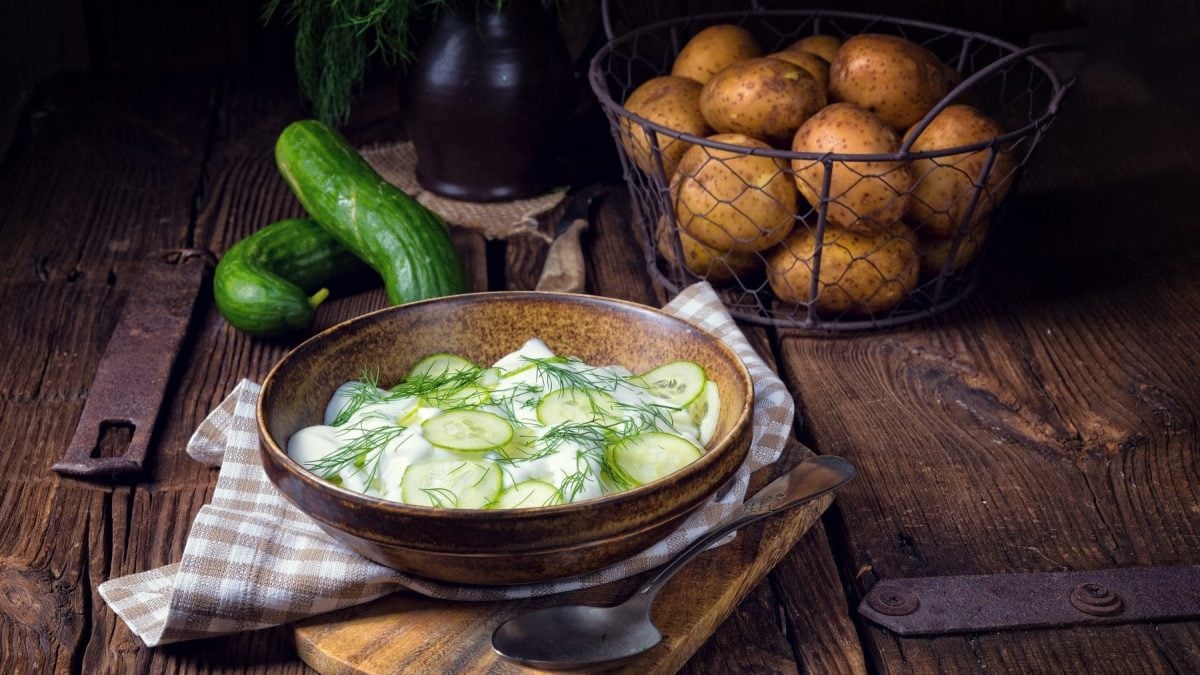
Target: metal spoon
pixel 574 637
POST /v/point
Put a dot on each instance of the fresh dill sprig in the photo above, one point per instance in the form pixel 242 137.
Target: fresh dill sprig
pixel 366 448
pixel 587 434
pixel 647 416
pixel 448 390
pixel 335 40
pixel 560 372
pixel 364 392
pixel 441 497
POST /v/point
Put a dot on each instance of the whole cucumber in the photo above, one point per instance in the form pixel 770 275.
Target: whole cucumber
pixel 406 243
pixel 271 282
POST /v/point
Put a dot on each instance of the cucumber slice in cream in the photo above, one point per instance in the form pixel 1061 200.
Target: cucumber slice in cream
pixel 467 430
pixel 526 494
pixel 705 410
pixel 649 456
pixel 451 484
pixel 679 383
pixel 439 365
pixel 574 405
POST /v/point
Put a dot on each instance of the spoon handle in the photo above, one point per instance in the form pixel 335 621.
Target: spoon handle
pixel 808 480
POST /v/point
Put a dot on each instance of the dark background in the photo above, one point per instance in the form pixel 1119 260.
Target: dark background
pixel 44 39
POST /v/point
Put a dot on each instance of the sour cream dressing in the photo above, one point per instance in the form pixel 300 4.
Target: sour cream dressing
pixel 392 427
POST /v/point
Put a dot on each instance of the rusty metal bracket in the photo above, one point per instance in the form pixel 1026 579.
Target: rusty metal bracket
pixel 131 379
pixel 991 602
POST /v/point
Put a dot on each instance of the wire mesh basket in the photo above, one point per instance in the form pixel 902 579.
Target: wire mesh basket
pixel 862 241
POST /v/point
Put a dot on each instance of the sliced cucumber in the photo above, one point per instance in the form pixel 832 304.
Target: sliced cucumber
pixel 411 417
pixel 528 493
pixel 649 456
pixel 438 365
pixel 454 396
pixel 705 411
pixel 575 405
pixel 490 377
pixel 520 447
pixel 517 371
pixel 453 483
pixel 467 430
pixel 678 383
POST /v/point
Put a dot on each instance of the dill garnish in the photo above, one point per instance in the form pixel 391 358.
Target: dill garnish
pixel 441 497
pixel 560 372
pixel 647 417
pixel 364 449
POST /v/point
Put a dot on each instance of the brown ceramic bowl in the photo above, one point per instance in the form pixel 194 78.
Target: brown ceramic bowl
pixel 511 546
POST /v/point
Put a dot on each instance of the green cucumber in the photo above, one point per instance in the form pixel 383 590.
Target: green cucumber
pixel 467 430
pixel 575 405
pixel 451 483
pixel 406 243
pixel 651 455
pixel 679 383
pixel 526 494
pixel 705 411
pixel 440 365
pixel 271 282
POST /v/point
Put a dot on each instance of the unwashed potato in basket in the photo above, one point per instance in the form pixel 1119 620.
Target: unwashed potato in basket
pixel 731 201
pixel 673 102
pixel 861 272
pixel 935 252
pixel 824 46
pixel 944 186
pixel 815 65
pixel 862 194
pixel 764 98
pixel 894 78
pixel 718 267
pixel 712 49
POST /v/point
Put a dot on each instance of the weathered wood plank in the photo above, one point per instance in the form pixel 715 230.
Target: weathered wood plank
pixel 762 633
pixel 242 192
pixel 107 175
pixel 1049 422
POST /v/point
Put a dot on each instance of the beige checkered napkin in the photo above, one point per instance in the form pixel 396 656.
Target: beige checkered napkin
pixel 252 560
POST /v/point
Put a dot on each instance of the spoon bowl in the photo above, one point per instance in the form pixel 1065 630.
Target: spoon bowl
pixel 574 637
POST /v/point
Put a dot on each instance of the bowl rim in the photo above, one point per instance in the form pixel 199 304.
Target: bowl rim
pixel 268 444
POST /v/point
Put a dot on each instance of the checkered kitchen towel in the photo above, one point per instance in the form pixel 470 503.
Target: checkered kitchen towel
pixel 252 560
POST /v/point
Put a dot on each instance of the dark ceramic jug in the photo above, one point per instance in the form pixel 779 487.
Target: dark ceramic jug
pixel 486 101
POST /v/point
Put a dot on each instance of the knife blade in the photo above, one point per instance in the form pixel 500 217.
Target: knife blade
pixel 564 270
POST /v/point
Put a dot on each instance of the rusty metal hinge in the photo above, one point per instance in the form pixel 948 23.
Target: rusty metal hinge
pixel 131 379
pixel 991 602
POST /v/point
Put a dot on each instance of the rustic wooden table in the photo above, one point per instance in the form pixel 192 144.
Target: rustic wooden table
pixel 1048 423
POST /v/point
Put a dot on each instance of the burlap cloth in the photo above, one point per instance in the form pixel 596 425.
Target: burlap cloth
pixel 397 163
pixel 252 560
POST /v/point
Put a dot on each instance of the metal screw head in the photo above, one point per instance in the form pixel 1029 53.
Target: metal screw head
pixel 1096 599
pixel 892 600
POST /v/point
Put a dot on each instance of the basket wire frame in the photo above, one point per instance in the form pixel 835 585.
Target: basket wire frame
pixel 1010 84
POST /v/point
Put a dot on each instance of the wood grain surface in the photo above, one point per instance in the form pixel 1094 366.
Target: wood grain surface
pixel 1049 422
pixel 408 633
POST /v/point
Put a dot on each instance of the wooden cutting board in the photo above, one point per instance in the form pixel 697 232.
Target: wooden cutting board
pixel 410 633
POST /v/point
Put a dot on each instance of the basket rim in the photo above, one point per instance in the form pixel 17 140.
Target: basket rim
pixel 601 90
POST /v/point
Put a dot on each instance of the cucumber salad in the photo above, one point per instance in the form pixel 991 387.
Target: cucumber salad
pixel 533 429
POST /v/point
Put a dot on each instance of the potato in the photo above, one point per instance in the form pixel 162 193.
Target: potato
pixel 861 194
pixel 944 186
pixel 763 98
pixel 673 102
pixel 712 49
pixel 861 272
pixel 715 266
pixel 815 65
pixel 824 46
pixel 894 78
pixel 733 202
pixel 934 252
